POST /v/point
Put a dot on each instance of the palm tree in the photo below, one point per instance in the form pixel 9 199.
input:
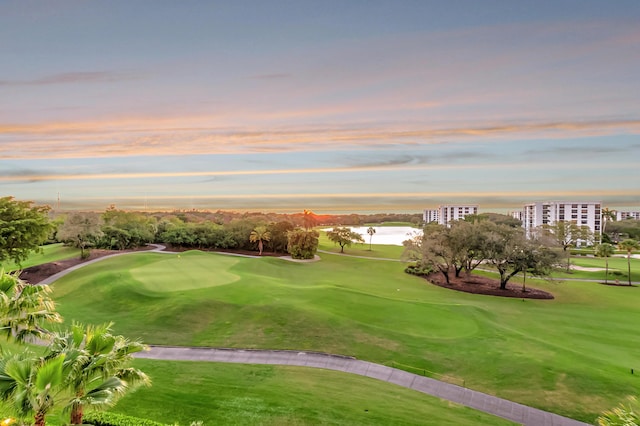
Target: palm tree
pixel 24 308
pixel 629 245
pixel 96 364
pixel 31 385
pixel 259 235
pixel 309 219
pixel 623 415
pixel 605 250
pixel 371 231
pixel 607 215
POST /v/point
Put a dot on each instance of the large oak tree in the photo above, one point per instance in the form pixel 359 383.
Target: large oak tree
pixel 23 228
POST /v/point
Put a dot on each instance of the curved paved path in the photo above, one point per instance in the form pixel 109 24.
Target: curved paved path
pixel 480 401
pixel 509 410
pixel 158 248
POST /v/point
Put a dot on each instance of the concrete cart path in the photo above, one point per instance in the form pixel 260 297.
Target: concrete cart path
pixel 157 248
pixel 490 404
pixel 480 401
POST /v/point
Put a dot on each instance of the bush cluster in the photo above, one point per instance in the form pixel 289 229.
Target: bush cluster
pixel 114 419
pixel 419 270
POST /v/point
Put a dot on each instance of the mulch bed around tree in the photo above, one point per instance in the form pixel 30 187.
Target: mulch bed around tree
pixel 483 285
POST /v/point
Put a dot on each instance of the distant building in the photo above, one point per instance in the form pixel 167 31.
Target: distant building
pixel 518 214
pixel 620 215
pixel 447 213
pixel 581 213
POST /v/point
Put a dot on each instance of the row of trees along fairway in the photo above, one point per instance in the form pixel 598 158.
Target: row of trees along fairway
pixel 465 245
pixel 119 230
pixel 85 366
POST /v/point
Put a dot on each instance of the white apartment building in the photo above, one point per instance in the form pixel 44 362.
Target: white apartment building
pixel 447 213
pixel 581 213
pixel 620 215
pixel 518 214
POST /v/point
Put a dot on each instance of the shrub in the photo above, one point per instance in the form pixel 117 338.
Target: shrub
pixel 114 419
pixel 419 270
pixel 302 244
pixel 85 254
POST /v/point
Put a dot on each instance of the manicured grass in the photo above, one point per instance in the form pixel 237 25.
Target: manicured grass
pixel 172 273
pixel 571 355
pixel 617 268
pixel 50 253
pixel 239 394
pixel 377 250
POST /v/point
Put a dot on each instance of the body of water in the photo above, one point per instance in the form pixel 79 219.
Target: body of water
pixel 393 235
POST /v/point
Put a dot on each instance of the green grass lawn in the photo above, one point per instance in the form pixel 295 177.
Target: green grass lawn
pixel 571 355
pixel 617 268
pixel 50 253
pixel 360 249
pixel 240 394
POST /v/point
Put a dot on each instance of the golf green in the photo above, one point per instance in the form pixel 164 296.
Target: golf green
pixel 185 271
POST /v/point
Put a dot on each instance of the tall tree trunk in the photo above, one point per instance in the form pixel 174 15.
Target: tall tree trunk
pixel 503 283
pixel 629 266
pixel 76 414
pixel 606 270
pixel 445 272
pixel 260 246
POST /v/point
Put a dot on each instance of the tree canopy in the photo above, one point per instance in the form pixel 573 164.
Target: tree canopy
pixel 260 235
pixel 23 228
pixel 302 244
pixel 344 236
pixel 464 246
pixel 83 229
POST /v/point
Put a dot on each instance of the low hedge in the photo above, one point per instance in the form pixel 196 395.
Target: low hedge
pixel 114 419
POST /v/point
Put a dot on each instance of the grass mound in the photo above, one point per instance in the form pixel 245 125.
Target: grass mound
pixel 186 271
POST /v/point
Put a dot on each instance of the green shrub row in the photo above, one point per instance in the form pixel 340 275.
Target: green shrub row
pixel 114 419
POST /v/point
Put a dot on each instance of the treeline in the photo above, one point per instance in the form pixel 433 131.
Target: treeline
pixel 222 217
pixel 120 230
pixel 619 230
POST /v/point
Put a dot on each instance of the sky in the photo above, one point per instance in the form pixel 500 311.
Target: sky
pixel 355 106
